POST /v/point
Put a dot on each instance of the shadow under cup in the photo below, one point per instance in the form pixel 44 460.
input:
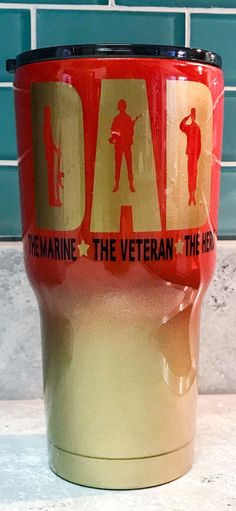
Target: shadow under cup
pixel 119 161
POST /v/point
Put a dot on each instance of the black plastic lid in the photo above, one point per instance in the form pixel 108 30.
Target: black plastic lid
pixel 114 50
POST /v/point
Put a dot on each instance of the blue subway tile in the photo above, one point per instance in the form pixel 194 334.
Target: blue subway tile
pixel 10 224
pixel 229 139
pixel 227 217
pixel 73 27
pixel 217 32
pixel 14 37
pixel 7 125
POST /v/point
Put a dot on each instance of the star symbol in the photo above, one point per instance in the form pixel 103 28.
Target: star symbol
pixel 179 245
pixel 83 248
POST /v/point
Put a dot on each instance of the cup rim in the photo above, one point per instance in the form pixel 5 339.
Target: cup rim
pixel 104 50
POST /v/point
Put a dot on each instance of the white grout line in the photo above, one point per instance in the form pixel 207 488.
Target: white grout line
pixel 8 163
pixel 33 13
pixel 228 164
pixel 187 28
pixel 112 3
pixel 73 7
pixel 6 84
pixel 76 7
pixel 226 88
pixel 213 10
pixel 111 6
pixel 14 163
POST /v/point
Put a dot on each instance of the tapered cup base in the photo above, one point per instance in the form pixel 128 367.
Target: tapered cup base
pixel 121 474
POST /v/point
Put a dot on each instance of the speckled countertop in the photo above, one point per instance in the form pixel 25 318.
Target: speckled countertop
pixel 26 482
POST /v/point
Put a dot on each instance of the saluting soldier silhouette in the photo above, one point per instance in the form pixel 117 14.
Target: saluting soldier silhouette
pixel 53 159
pixel 193 151
pixel 122 134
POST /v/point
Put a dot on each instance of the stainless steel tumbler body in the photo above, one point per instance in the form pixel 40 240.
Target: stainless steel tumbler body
pixel 119 160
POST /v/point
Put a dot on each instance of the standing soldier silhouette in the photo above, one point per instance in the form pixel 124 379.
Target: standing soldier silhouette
pixel 193 151
pixel 122 133
pixel 53 159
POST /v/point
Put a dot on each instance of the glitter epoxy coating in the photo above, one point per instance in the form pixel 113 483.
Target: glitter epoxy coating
pixel 119 176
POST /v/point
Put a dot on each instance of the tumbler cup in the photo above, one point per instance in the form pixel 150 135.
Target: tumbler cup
pixel 119 161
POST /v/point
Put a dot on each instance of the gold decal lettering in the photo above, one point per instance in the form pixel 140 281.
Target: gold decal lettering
pixel 125 169
pixel 58 151
pixel 189 153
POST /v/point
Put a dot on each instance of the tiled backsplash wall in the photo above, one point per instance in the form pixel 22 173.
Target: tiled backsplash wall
pixel 209 24
pixel 193 22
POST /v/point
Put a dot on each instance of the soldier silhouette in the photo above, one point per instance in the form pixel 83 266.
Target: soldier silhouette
pixel 53 159
pixel 122 133
pixel 193 151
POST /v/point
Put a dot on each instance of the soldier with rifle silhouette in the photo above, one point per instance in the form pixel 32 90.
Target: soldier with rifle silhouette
pixel 53 159
pixel 122 133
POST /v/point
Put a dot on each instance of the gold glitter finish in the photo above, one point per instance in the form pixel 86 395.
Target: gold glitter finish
pixel 120 385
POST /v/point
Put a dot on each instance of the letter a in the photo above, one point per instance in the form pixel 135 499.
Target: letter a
pixel 125 169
